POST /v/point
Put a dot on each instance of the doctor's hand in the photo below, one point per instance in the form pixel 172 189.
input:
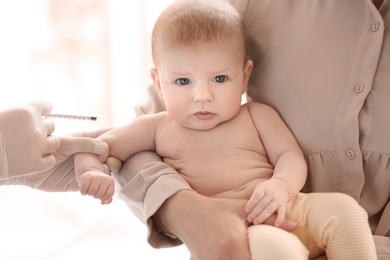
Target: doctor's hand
pixel 30 156
pixel 26 142
pixel 62 176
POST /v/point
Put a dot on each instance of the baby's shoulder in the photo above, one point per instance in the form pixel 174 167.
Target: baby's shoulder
pixel 261 112
pixel 152 119
pixel 154 116
pixel 255 107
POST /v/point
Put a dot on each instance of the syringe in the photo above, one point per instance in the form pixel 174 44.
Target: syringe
pixel 78 117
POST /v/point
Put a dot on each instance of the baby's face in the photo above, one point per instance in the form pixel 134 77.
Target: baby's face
pixel 201 86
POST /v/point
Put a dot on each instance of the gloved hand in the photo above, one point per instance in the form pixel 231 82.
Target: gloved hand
pixel 26 143
pixel 60 175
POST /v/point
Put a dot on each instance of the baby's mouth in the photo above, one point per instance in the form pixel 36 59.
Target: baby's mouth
pixel 204 115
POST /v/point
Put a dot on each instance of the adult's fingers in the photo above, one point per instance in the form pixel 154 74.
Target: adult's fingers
pixel 49 125
pixel 72 145
pixel 43 107
pixel 93 133
pixel 287 225
pixel 53 145
pixel 48 160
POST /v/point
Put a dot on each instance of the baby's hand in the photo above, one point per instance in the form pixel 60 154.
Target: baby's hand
pixel 269 197
pixel 97 184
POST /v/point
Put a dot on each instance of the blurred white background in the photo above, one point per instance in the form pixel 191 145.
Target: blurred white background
pixel 87 57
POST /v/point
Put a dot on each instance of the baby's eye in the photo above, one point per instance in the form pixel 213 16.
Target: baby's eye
pixel 220 78
pixel 183 81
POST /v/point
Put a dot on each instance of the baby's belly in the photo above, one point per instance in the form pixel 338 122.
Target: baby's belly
pixel 243 192
pixel 228 183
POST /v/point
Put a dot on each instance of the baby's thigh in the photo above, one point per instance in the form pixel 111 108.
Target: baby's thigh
pixel 269 242
pixel 327 220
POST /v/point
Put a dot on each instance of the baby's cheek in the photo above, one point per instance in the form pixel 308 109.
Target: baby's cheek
pixel 178 110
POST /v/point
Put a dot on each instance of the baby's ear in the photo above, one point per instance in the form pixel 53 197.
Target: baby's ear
pixel 156 81
pixel 247 73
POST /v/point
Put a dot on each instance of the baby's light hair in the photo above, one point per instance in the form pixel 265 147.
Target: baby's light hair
pixel 189 23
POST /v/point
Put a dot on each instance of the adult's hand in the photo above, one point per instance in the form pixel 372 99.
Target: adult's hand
pixel 59 175
pixel 27 145
pixel 210 228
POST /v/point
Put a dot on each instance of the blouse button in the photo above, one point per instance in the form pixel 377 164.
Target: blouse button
pixel 359 88
pixel 351 154
pixel 375 26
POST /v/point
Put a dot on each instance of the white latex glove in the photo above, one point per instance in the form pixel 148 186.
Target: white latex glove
pixel 62 176
pixel 26 143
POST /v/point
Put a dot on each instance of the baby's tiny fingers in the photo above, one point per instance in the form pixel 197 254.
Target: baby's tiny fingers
pixel 106 201
pixel 254 200
pixel 281 216
pixel 84 187
pixel 265 213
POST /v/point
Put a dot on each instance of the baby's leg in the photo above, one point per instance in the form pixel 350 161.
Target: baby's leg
pixel 339 225
pixel 269 242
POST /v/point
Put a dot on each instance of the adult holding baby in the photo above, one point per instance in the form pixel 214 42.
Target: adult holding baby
pixel 324 66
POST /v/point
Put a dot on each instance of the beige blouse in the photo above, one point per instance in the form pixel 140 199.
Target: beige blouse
pixel 325 67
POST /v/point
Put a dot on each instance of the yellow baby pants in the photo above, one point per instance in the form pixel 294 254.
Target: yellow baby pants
pixel 328 222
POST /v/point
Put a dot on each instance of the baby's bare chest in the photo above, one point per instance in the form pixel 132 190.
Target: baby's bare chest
pixel 228 139
pixel 224 158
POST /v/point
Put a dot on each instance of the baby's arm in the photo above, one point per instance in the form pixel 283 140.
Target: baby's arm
pixel 123 142
pixel 290 168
